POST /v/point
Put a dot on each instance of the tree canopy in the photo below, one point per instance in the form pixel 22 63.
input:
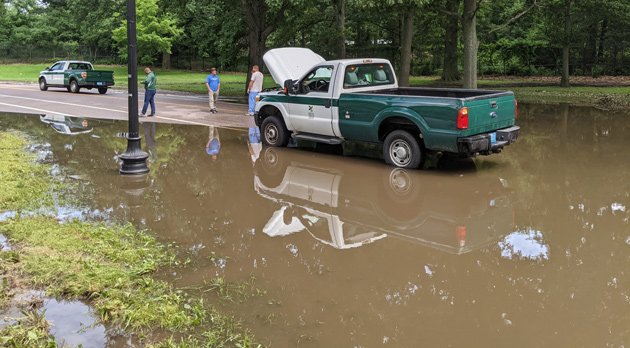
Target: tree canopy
pixel 431 37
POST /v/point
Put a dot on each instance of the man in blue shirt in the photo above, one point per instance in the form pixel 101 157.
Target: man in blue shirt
pixel 214 85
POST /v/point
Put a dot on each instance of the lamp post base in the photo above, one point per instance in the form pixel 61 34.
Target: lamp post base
pixel 134 160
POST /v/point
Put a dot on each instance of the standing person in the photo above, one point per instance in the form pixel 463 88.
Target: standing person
pixel 214 85
pixel 150 88
pixel 255 86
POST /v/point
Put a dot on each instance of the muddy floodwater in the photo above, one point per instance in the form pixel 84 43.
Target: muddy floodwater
pixel 527 248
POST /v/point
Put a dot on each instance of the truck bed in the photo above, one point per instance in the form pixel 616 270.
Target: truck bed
pixel 456 93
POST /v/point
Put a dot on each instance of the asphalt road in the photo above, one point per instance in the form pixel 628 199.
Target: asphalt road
pixel 171 107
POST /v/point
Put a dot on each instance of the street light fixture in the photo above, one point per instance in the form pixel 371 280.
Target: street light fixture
pixel 134 160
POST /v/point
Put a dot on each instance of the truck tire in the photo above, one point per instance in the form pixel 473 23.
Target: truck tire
pixel 102 90
pixel 274 132
pixel 42 84
pixel 270 167
pixel 403 150
pixel 74 86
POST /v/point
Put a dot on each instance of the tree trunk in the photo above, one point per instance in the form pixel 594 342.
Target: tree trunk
pixel 340 23
pixel 471 44
pixel 257 48
pixel 564 81
pixel 602 39
pixel 166 60
pixel 405 48
pixel 260 27
pixel 591 50
pixel 451 27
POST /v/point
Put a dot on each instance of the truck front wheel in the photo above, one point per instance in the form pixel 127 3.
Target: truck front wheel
pixel 74 86
pixel 274 133
pixel 42 84
pixel 403 150
pixel 102 90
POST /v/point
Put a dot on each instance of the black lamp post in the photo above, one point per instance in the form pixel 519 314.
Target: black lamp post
pixel 134 160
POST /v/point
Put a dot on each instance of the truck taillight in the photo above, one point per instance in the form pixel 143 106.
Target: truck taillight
pixel 460 232
pixel 462 118
pixel 84 74
pixel 515 109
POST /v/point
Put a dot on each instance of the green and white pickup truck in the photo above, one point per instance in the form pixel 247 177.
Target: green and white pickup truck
pixel 75 75
pixel 359 100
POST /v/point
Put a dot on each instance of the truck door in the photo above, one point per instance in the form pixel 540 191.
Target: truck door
pixel 54 76
pixel 311 109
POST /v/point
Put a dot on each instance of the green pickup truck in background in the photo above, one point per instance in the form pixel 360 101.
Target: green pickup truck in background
pixel 359 100
pixel 75 75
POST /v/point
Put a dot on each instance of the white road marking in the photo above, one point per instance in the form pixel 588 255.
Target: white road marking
pixel 63 103
pixel 196 123
pixel 39 110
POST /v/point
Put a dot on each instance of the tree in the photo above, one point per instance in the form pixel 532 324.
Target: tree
pixel 156 33
pixel 471 43
pixel 340 24
pixel 566 44
pixel 262 18
pixel 450 70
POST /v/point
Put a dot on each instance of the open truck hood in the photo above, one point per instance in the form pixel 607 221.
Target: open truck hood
pixel 290 62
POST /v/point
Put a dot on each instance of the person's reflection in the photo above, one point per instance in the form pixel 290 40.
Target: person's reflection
pixel 213 147
pixel 149 136
pixel 254 144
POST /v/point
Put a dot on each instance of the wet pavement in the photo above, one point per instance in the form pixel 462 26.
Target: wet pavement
pixel 528 248
pixel 172 107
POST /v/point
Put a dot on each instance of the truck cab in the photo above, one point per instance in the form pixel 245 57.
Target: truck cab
pixel 359 100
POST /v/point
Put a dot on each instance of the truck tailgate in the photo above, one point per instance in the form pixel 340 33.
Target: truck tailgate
pixel 99 76
pixel 489 113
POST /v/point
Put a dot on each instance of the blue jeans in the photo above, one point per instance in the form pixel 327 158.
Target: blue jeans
pixel 149 98
pixel 252 102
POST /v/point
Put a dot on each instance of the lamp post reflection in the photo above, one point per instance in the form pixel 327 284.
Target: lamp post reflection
pixel 149 136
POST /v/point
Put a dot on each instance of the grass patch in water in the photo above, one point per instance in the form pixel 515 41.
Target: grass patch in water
pixel 23 183
pixel 29 331
pixel 110 267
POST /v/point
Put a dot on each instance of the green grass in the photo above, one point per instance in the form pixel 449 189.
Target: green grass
pixel 613 98
pixel 232 83
pixel 29 331
pixel 23 183
pixel 111 267
pixel 609 97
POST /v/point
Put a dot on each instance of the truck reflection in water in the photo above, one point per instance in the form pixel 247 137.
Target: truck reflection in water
pixel 352 203
pixel 67 125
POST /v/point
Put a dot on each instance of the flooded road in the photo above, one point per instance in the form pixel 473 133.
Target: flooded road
pixel 528 248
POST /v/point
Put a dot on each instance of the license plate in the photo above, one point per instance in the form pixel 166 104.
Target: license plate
pixel 99 83
pixel 493 138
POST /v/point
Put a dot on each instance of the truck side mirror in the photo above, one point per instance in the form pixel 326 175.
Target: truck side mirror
pixel 289 87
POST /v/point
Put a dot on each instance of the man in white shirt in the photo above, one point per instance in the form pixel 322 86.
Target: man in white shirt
pixel 255 86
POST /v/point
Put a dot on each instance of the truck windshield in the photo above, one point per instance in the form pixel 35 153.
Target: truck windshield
pixel 364 75
pixel 317 80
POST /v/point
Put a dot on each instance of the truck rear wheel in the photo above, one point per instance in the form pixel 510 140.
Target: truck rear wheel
pixel 274 132
pixel 102 90
pixel 74 86
pixel 42 84
pixel 403 150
